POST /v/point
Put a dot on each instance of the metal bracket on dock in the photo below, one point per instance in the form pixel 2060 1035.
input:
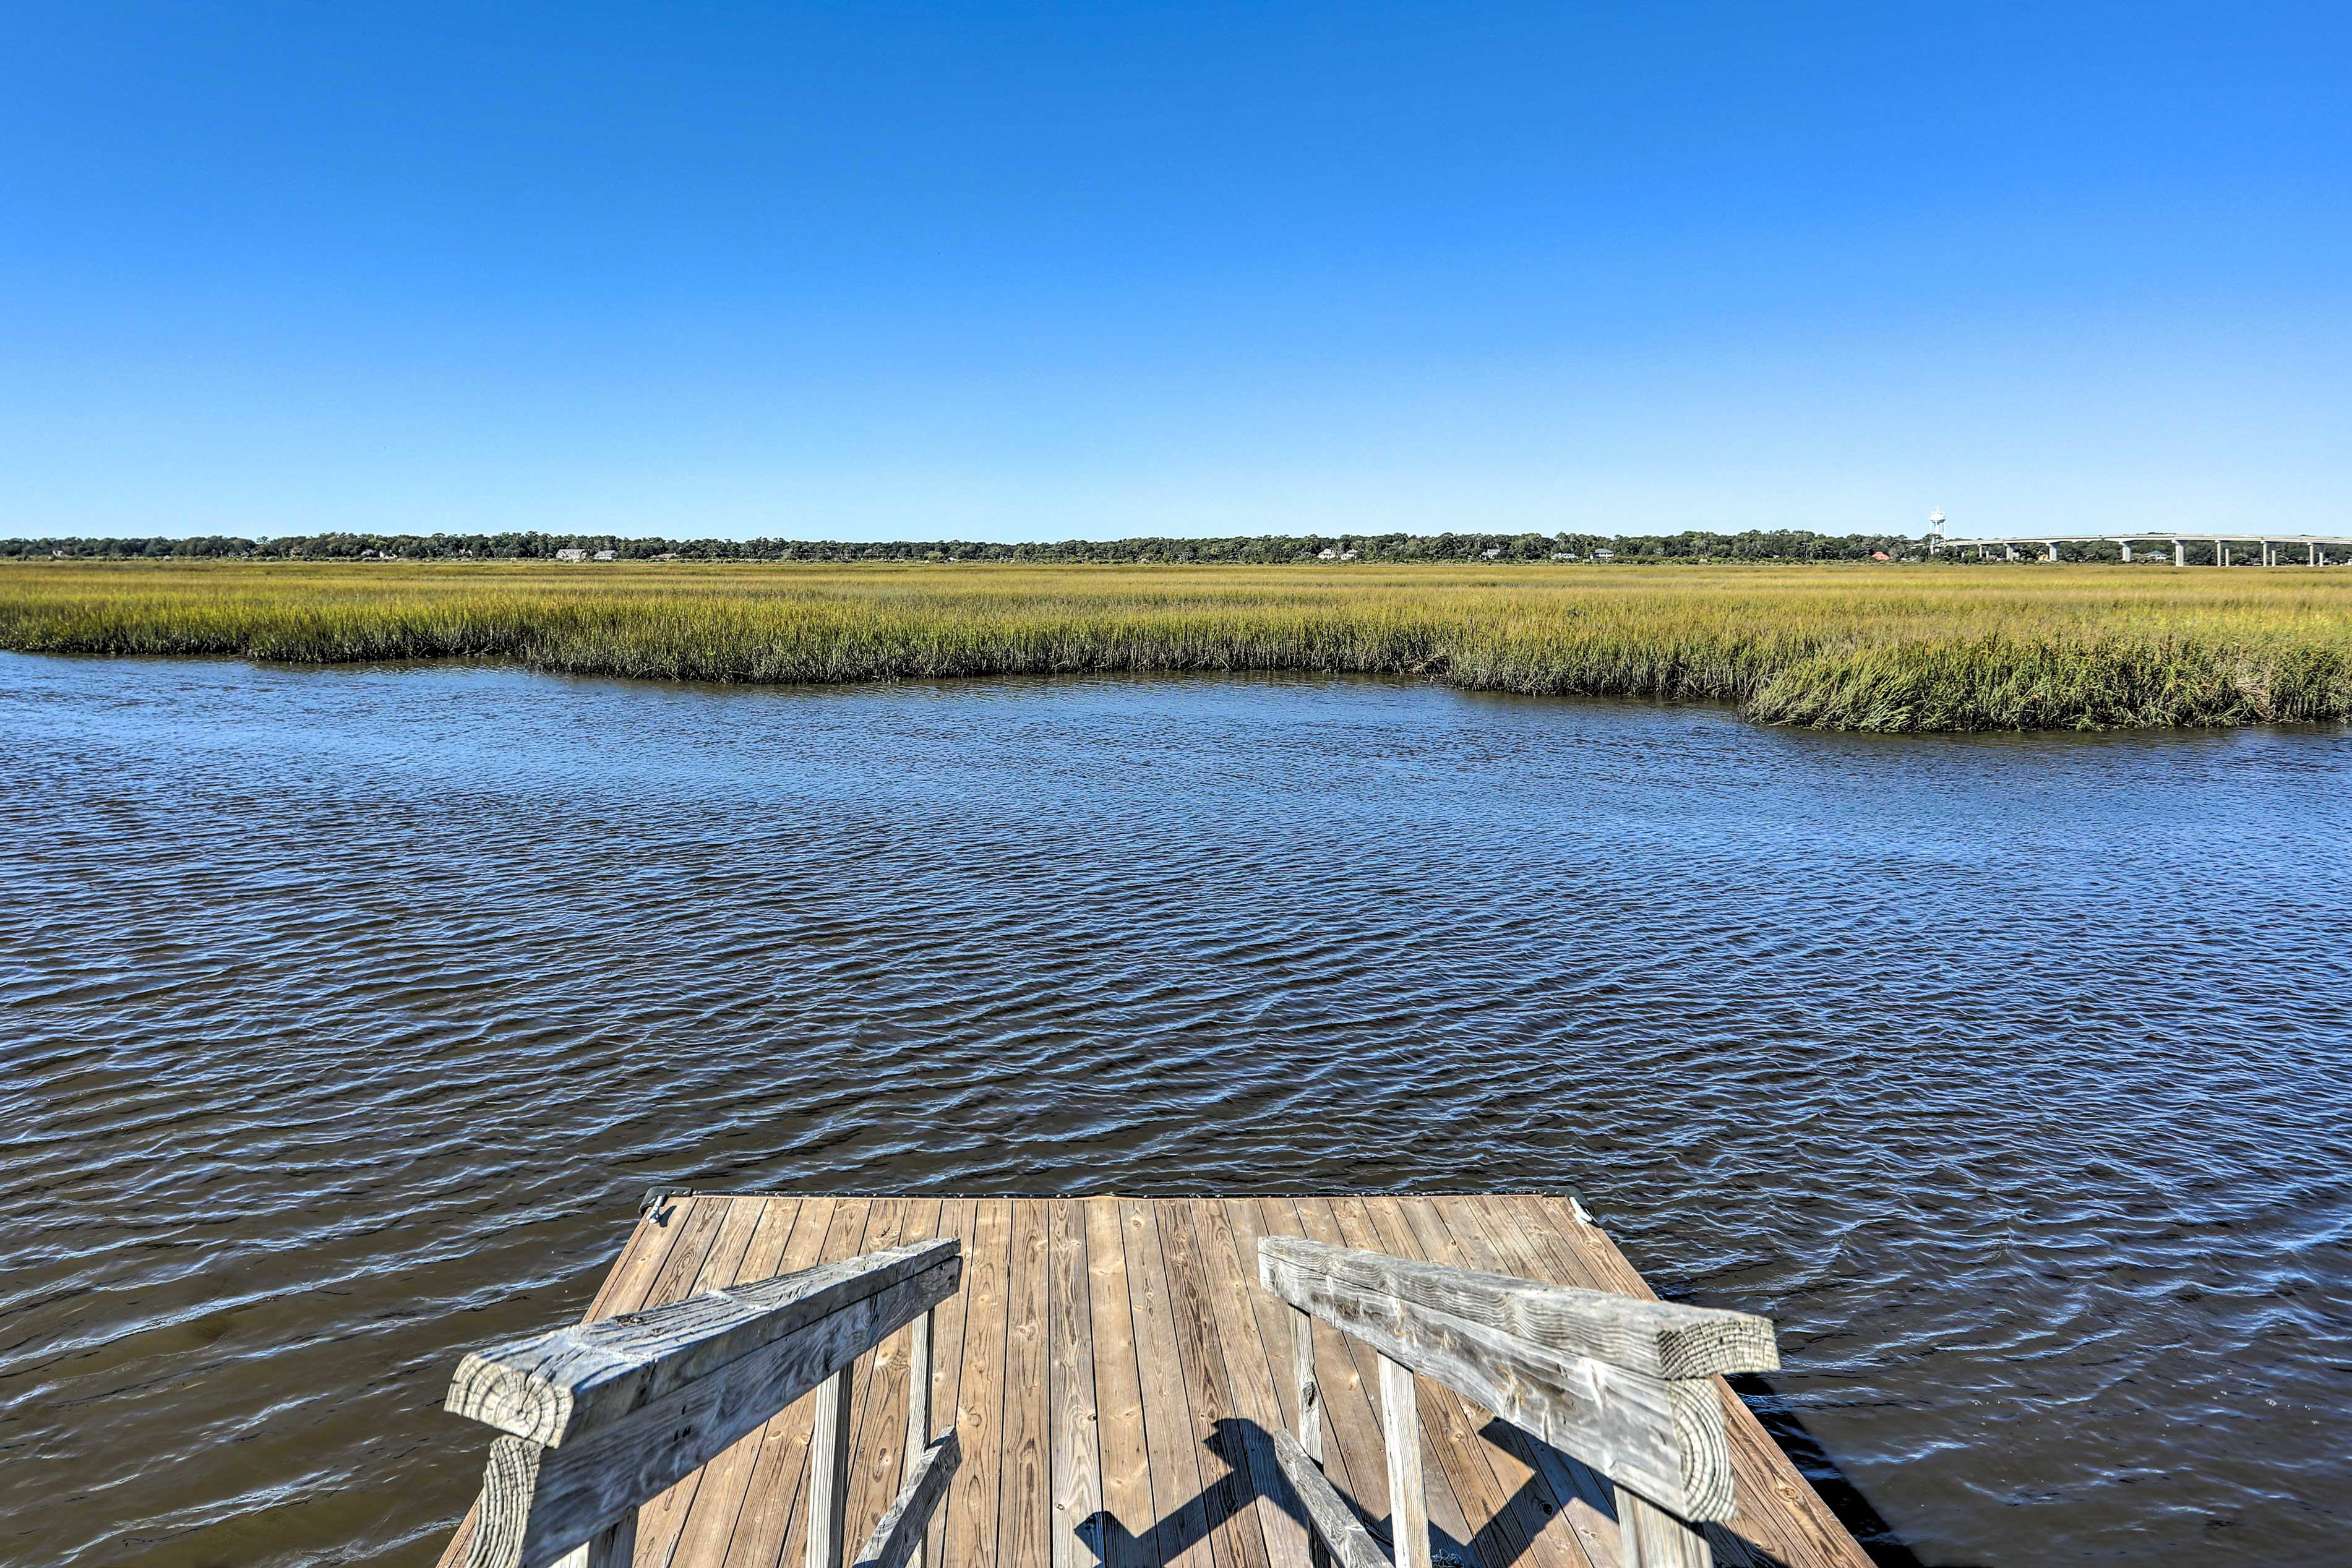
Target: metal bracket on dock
pixel 657 1196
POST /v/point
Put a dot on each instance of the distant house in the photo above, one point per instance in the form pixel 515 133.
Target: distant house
pixel 1880 555
pixel 1327 555
pixel 1604 555
pixel 1347 555
pixel 1561 555
pixel 571 555
pixel 1490 554
pixel 666 555
pixel 604 555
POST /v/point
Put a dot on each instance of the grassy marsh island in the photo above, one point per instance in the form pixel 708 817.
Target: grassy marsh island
pixel 1887 647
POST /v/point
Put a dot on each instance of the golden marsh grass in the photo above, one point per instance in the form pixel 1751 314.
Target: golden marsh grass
pixel 1898 648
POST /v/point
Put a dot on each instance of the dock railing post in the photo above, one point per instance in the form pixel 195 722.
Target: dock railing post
pixel 1408 1505
pixel 1310 1412
pixel 918 1406
pixel 828 1531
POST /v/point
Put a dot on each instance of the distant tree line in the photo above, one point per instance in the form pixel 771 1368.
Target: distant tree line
pixel 1760 545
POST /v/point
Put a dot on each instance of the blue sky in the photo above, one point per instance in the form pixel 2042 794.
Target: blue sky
pixel 1022 271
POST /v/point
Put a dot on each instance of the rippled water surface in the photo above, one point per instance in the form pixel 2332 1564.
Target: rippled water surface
pixel 347 1013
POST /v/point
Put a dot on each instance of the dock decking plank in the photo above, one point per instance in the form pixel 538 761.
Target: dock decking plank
pixel 878 1454
pixel 1580 1497
pixel 1350 1410
pixel 1076 1460
pixel 1236 1534
pixel 1024 1489
pixel 1168 1435
pixel 1114 1373
pixel 1255 1378
pixel 971 1497
pixel 1124 1534
pixel 957 1218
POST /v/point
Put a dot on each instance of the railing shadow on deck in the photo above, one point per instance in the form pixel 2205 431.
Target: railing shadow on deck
pixel 1495 1544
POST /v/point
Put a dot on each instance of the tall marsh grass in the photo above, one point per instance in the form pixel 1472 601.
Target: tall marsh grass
pixel 1879 648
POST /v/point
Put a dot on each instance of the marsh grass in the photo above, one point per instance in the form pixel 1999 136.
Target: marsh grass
pixel 1878 648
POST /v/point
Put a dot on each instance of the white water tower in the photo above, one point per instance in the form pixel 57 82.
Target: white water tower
pixel 1935 532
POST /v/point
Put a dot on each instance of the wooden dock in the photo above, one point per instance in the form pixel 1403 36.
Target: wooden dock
pixel 1112 1369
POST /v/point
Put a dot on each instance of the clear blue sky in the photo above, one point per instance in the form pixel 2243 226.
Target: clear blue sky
pixel 1018 271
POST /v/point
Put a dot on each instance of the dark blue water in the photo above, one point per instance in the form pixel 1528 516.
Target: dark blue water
pixel 347 1012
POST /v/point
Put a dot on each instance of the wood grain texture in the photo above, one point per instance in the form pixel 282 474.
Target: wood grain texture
pixel 1220 1355
pixel 1334 1522
pixel 899 1533
pixel 553 1387
pixel 1662 1437
pixel 1072 1419
pixel 1658 1339
pixel 1123 1535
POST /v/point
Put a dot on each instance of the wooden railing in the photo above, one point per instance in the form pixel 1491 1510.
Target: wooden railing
pixel 1625 1386
pixel 603 1416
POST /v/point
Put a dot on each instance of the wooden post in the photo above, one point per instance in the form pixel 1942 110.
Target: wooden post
pixel 1311 1394
pixel 829 1473
pixel 918 1406
pixel 1408 1509
pixel 1310 1412
pixel 1650 1537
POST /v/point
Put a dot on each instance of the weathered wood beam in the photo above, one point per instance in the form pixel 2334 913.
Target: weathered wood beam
pixel 1408 1500
pixel 897 1540
pixel 540 1500
pixel 548 1386
pixel 1664 1438
pixel 1660 1339
pixel 1334 1522
pixel 918 1447
pixel 828 1526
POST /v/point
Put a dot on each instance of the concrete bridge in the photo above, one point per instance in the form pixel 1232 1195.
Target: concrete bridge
pixel 2274 547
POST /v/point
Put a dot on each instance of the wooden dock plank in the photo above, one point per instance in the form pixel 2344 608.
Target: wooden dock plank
pixel 1183 1529
pixel 1076 1460
pixel 1257 1372
pixel 958 1217
pixel 776 1499
pixel 971 1504
pixel 1581 1499
pixel 1124 1535
pixel 1115 1373
pixel 1025 1492
pixel 1235 1533
pixel 877 1460
pixel 1513 1504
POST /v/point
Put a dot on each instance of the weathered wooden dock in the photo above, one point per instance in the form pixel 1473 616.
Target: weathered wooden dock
pixel 1119 1383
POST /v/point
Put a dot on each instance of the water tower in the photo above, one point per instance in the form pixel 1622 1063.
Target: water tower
pixel 1935 532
